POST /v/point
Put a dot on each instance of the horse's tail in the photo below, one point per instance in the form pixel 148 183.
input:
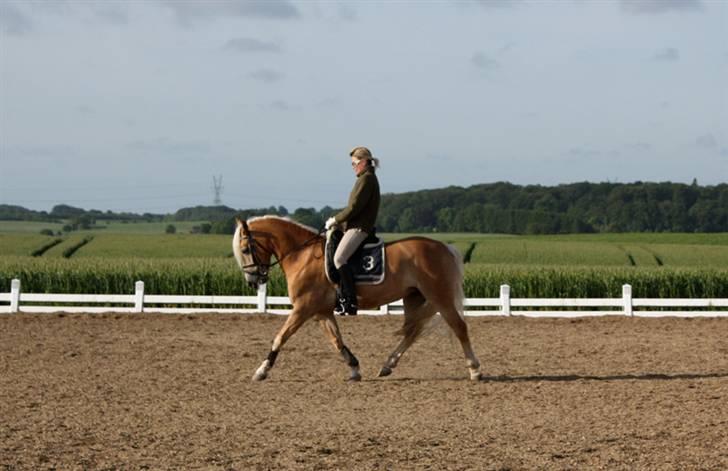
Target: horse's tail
pixel 457 280
pixel 236 243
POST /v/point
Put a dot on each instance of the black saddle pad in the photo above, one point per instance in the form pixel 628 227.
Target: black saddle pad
pixel 367 262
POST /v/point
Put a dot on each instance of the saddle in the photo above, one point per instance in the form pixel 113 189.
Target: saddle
pixel 367 262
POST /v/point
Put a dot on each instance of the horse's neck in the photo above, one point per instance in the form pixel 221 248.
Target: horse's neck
pixel 285 236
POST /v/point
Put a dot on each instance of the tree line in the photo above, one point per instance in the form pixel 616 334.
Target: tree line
pixel 585 207
pixel 488 208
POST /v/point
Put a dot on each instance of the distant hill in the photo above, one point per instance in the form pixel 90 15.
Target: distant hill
pixel 488 208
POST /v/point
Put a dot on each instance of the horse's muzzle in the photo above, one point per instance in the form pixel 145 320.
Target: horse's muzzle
pixel 254 280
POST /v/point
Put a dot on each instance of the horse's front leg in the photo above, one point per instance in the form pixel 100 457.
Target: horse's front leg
pixel 331 329
pixel 295 320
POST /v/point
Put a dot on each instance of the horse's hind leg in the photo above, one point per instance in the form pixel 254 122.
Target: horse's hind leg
pixel 460 328
pixel 292 324
pixel 417 311
pixel 331 329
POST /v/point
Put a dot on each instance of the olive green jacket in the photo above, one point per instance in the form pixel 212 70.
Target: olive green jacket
pixel 363 203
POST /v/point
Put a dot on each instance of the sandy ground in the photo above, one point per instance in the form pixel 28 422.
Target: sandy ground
pixel 174 392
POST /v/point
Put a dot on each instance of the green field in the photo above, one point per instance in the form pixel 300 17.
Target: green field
pixel 585 265
pixel 221 276
pixel 612 250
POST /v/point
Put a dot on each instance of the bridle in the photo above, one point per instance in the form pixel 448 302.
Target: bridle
pixel 263 269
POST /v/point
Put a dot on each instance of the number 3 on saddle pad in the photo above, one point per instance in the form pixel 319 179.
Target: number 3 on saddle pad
pixel 367 262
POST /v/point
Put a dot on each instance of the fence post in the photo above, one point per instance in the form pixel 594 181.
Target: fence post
pixel 139 296
pixel 14 295
pixel 505 298
pixel 627 300
pixel 263 298
pixel 384 309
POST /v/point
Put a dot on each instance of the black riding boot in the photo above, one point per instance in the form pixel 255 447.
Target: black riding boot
pixel 346 304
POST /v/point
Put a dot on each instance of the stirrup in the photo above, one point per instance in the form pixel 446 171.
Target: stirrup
pixel 346 307
pixel 340 309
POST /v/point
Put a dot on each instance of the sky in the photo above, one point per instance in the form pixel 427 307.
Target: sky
pixel 137 105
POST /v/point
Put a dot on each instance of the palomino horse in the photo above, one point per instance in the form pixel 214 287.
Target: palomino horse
pixel 425 273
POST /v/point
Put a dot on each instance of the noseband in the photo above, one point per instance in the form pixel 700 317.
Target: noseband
pixel 261 269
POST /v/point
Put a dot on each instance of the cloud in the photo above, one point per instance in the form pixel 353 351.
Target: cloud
pixel 55 154
pixel 13 21
pixel 347 12
pixel 280 105
pixel 266 75
pixel 250 45
pixel 669 54
pixel 706 141
pixel 328 103
pixel 638 146
pixel 166 147
pixel 498 3
pixel 114 13
pixel 583 153
pixel 189 11
pixel 482 61
pixel 652 7
pixel 507 47
pixel 438 157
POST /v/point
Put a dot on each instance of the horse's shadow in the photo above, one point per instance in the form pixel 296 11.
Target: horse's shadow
pixel 615 377
pixel 575 377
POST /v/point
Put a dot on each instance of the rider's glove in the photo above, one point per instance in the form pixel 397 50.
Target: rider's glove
pixel 330 223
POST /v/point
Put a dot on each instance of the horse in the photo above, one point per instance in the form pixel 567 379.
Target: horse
pixel 426 274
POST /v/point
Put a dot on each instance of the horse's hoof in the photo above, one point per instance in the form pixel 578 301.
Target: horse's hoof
pixel 355 378
pixel 476 376
pixel 259 376
pixel 385 371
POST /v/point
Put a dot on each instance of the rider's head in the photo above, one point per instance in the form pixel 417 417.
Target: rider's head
pixel 360 153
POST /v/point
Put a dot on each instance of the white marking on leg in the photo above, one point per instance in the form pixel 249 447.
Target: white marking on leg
pixel 262 372
pixel 474 367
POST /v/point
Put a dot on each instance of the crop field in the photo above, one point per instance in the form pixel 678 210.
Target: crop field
pixel 22 244
pixel 159 246
pixel 656 265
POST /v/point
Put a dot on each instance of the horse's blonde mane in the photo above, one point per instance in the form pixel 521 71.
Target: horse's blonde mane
pixel 284 219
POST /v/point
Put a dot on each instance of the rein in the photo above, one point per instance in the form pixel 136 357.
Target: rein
pixel 263 268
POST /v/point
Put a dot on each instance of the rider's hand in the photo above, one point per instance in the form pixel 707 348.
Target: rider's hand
pixel 330 223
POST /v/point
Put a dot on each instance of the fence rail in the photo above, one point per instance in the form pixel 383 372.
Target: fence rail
pixel 17 301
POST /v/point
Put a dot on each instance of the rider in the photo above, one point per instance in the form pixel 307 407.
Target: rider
pixel 359 218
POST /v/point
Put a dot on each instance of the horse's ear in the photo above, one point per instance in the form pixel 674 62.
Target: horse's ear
pixel 238 221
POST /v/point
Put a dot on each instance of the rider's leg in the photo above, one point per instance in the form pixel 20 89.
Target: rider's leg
pixel 350 242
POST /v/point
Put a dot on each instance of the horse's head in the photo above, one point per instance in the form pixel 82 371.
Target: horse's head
pixel 253 259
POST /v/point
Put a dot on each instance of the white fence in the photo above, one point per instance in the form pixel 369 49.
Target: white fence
pixel 17 301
